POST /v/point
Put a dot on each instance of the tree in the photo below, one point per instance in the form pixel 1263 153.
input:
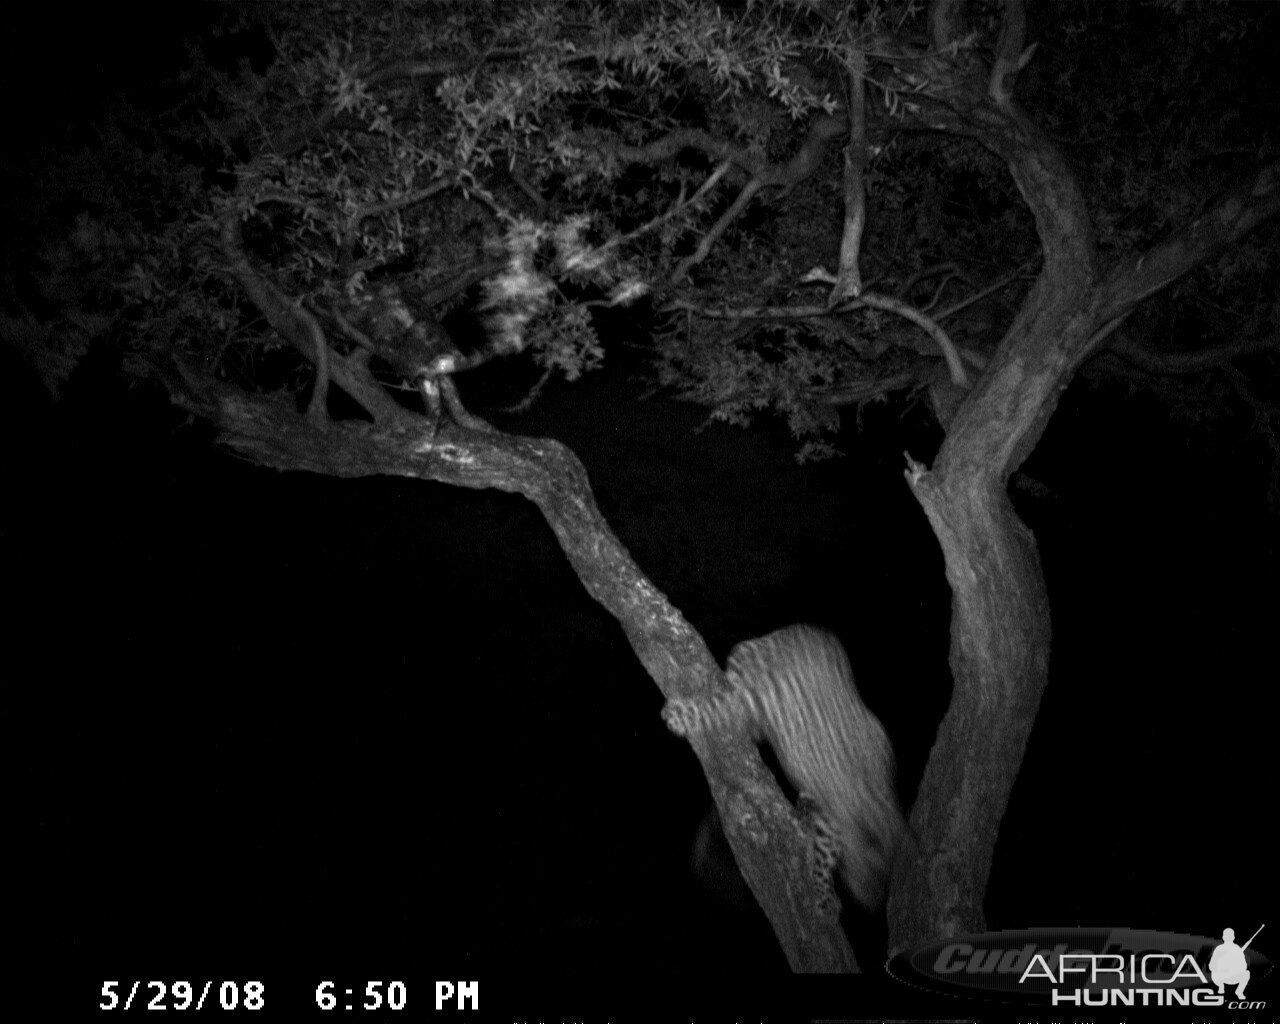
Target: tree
pixel 338 181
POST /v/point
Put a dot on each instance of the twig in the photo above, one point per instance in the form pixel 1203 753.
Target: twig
pixel 717 229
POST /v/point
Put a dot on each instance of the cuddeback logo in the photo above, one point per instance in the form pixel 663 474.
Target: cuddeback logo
pixel 1089 967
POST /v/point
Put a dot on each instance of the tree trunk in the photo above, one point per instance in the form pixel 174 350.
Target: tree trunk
pixel 759 821
pixel 1000 629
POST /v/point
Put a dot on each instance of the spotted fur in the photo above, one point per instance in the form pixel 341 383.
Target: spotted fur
pixel 795 690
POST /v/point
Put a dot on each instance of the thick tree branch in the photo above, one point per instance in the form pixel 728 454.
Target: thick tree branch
pixel 773 849
pixel 301 331
pixel 940 337
pixel 1180 363
pixel 823 129
pixel 1000 618
pixel 1000 624
pixel 1230 219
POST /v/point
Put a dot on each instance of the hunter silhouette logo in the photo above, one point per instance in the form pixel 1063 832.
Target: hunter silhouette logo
pixel 1227 966
pixel 1089 967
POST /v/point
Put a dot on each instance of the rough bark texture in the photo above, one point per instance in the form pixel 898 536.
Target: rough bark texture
pixel 1000 628
pixel 759 822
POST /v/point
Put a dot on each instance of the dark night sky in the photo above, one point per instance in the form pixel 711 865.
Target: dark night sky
pixel 286 722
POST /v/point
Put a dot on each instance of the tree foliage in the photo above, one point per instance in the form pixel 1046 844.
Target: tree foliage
pixel 575 144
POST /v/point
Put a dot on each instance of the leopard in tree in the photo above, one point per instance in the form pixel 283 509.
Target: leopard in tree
pixel 794 689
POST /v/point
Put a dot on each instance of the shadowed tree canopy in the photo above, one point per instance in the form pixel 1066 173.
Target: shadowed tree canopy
pixel 361 239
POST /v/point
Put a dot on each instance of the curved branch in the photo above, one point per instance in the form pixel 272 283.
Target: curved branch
pixel 950 269
pixel 717 229
pixel 299 327
pixel 954 363
pixel 713 179
pixel 1226 222
pixel 420 196
pixel 775 863
pixel 453 403
pixel 463 280
pixel 982 293
pixel 668 146
pixel 822 131
pixel 318 407
pixel 1178 363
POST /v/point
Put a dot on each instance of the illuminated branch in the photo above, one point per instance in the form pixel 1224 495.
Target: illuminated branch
pixel 834 395
pixel 950 269
pixel 301 329
pixel 749 312
pixel 1229 219
pixel 717 229
pixel 293 321
pixel 679 207
pixel 824 129
pixel 848 277
pixel 1010 56
pixel 423 194
pixel 995 286
pixel 463 280
pixel 870 299
pixel 453 403
pixel 930 327
pixel 786 175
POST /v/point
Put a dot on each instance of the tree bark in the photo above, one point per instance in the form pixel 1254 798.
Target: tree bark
pixel 759 822
pixel 1000 627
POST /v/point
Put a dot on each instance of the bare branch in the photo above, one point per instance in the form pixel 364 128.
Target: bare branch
pixel 463 280
pixel 1230 219
pixel 848 276
pixel 824 128
pixel 453 403
pixel 717 229
pixel 679 207
pixel 668 146
pixel 269 432
pixel 930 327
pixel 421 195
pixel 872 300
pixel 950 269
pixel 289 320
pixel 1010 58
pixel 1178 363
pixel 318 407
pixel 749 312
pixel 995 286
